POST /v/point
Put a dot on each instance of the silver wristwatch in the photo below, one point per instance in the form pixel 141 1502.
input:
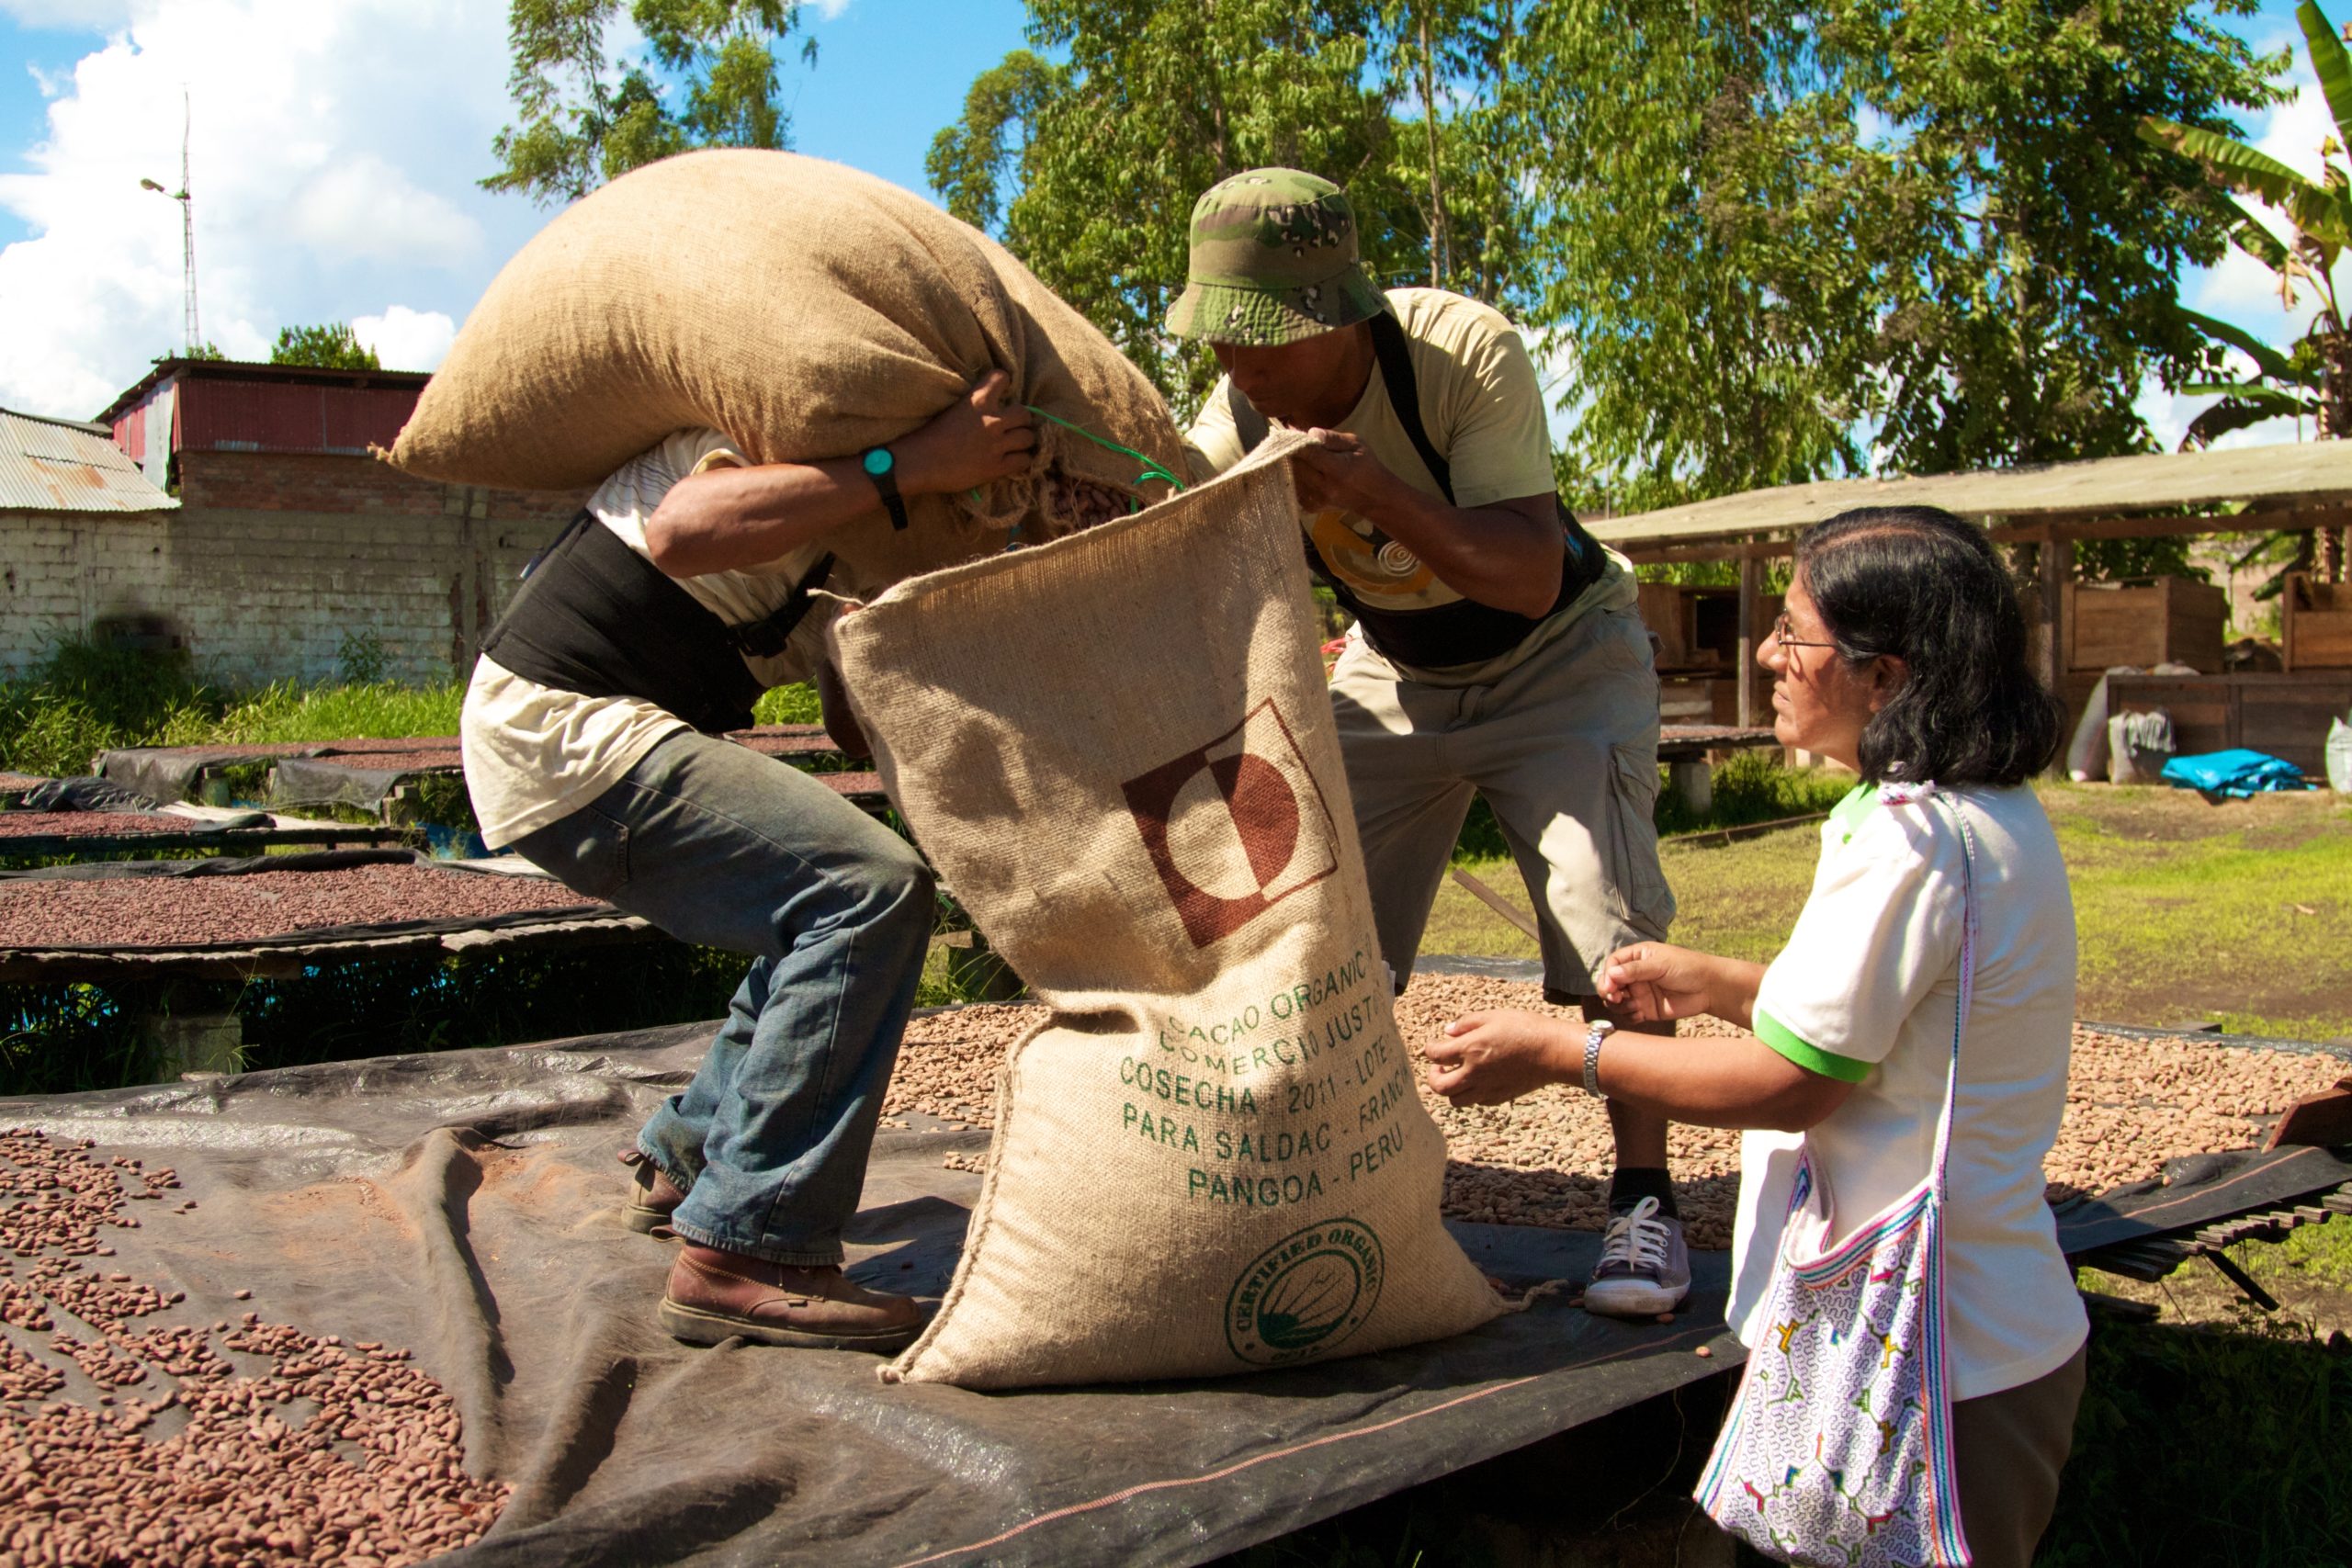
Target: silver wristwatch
pixel 1602 1029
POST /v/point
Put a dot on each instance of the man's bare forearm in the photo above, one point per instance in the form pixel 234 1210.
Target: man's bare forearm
pixel 728 519
pixel 1504 556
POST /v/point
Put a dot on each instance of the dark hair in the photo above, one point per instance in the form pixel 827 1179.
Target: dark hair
pixel 1917 583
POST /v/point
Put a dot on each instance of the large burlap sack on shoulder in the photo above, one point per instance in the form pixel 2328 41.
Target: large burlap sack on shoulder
pixel 806 310
pixel 1119 751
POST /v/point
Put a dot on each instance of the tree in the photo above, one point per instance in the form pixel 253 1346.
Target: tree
pixel 1773 229
pixel 1088 170
pixel 1771 240
pixel 331 345
pixel 709 80
pixel 2314 376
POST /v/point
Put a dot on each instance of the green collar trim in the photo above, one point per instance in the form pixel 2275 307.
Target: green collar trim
pixel 1848 814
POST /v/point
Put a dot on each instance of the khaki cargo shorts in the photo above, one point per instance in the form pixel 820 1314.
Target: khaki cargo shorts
pixel 1564 748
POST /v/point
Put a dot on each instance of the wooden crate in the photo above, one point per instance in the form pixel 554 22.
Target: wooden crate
pixel 1661 610
pixel 2316 622
pixel 1692 699
pixel 1698 628
pixel 2171 620
pixel 2281 715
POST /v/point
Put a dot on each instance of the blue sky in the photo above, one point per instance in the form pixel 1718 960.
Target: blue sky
pixel 337 144
pixel 890 74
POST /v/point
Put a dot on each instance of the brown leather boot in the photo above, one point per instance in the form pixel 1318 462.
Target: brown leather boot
pixel 715 1296
pixel 652 1197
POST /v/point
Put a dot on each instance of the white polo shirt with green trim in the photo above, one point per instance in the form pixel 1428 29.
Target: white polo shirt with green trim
pixel 1865 992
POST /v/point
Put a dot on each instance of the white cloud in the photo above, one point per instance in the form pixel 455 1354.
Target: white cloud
pixel 405 339
pixel 335 154
pixel 363 207
pixel 830 10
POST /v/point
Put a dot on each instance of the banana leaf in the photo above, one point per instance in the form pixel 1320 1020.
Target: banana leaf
pixel 2312 209
pixel 2256 241
pixel 2274 400
pixel 2267 359
pixel 2220 420
pixel 2331 63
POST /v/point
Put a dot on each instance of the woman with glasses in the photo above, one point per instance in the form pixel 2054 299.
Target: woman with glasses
pixel 1902 655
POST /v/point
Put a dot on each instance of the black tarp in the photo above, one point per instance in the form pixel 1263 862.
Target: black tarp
pixel 466 1205
pixel 345 778
pixel 177 773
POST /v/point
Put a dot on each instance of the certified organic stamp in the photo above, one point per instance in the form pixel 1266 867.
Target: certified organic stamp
pixel 1303 1295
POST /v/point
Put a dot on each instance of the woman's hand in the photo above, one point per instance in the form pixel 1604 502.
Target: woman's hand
pixel 980 438
pixel 1656 982
pixel 1488 1057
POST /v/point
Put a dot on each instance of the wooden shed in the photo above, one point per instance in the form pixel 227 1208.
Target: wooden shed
pixel 2083 628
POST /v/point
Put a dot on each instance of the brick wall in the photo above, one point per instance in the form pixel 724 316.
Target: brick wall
pixel 272 560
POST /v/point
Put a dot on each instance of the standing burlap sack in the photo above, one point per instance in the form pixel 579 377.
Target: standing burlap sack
pixel 809 312
pixel 1119 751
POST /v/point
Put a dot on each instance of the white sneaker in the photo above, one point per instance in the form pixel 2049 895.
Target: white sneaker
pixel 1644 1267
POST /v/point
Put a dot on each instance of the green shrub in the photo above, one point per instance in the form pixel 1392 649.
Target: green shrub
pixel 86 697
pixel 789 704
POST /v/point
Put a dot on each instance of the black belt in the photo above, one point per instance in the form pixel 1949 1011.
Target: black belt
pixel 595 617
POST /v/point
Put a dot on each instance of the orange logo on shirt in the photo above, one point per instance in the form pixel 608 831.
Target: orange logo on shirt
pixel 1377 568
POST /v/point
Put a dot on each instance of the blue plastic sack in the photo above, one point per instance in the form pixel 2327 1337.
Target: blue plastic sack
pixel 2236 773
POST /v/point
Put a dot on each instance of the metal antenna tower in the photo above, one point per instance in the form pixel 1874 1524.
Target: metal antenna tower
pixel 190 333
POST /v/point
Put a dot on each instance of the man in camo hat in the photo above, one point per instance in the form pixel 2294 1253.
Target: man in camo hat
pixel 1496 649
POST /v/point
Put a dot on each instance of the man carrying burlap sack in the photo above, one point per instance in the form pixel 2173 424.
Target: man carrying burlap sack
pixel 591 736
pixel 1496 649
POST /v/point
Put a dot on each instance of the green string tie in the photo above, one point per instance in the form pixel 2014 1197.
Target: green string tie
pixel 1151 470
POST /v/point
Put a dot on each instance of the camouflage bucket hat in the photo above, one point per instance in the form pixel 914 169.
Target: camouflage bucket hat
pixel 1273 261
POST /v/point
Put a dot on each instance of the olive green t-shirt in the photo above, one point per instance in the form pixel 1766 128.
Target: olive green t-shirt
pixel 1482 408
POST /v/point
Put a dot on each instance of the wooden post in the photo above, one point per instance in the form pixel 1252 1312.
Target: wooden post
pixel 2057 568
pixel 1751 572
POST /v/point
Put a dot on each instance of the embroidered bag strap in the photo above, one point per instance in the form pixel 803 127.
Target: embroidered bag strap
pixel 1968 930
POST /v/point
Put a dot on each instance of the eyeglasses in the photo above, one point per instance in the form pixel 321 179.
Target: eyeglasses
pixel 1780 635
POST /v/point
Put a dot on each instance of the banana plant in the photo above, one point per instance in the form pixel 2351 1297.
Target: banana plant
pixel 2315 377
pixel 2292 384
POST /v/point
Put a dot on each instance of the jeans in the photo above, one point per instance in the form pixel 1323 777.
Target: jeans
pixel 719 846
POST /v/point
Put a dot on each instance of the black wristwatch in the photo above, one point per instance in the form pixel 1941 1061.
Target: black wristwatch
pixel 883 469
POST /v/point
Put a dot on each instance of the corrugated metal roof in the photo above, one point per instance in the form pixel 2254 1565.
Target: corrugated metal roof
pixel 49 465
pixel 2308 471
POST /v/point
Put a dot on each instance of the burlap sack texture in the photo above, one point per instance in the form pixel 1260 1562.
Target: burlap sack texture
pixel 1118 750
pixel 805 309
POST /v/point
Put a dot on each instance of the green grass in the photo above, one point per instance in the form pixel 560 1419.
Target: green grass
pixel 2239 914
pixel 83 699
pixel 381 711
pixel 2217 1446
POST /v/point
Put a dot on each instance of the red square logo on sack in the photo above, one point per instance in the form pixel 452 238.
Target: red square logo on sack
pixel 1234 827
